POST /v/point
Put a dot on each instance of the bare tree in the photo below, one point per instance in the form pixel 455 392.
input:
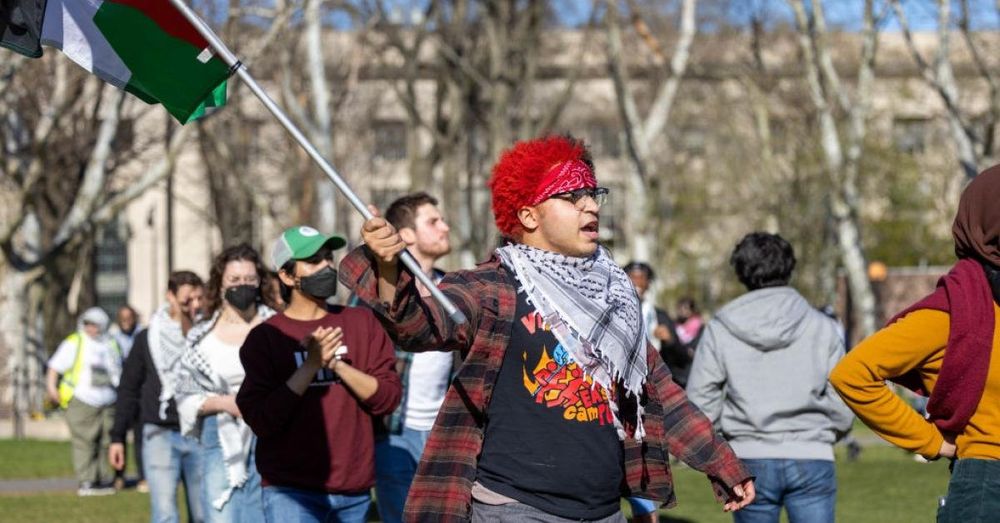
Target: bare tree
pixel 61 180
pixel 842 144
pixel 229 140
pixel 975 147
pixel 485 79
pixel 642 132
pixel 61 156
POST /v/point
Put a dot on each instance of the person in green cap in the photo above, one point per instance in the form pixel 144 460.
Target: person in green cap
pixel 316 374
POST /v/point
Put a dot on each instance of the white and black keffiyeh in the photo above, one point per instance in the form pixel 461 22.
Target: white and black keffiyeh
pixel 594 312
pixel 166 346
pixel 198 379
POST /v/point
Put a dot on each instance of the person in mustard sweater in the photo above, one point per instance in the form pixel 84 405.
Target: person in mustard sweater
pixel 942 345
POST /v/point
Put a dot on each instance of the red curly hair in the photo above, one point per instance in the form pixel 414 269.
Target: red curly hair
pixel 519 172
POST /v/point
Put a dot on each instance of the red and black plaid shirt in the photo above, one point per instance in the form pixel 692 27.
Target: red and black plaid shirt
pixel 441 490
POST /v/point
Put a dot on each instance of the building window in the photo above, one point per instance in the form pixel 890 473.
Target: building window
pixel 604 140
pixel 693 140
pixel 390 140
pixel 910 134
pixel 111 267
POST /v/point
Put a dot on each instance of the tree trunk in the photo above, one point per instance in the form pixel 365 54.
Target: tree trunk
pixel 321 126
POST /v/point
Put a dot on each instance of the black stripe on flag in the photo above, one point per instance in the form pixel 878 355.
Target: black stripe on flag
pixel 21 26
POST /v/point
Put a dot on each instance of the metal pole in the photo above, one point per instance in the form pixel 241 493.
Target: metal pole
pixel 230 59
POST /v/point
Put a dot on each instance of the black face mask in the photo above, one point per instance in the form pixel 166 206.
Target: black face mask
pixel 320 285
pixel 242 296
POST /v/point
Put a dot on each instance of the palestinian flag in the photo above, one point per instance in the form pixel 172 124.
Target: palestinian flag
pixel 145 47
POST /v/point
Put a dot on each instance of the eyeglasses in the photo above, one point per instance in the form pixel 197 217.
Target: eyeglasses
pixel 598 194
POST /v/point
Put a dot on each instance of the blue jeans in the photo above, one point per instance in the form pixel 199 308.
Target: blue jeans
pixel 168 457
pixel 245 504
pixel 642 506
pixel 806 488
pixel 396 459
pixel 292 505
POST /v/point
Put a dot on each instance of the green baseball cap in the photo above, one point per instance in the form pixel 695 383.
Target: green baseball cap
pixel 301 242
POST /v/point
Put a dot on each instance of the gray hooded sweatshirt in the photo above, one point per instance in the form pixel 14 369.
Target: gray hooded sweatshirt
pixel 760 374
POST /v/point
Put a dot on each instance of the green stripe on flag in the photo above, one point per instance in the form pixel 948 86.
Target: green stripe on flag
pixel 164 69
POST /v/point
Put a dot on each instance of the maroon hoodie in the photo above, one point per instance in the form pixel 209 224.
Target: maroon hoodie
pixel 322 440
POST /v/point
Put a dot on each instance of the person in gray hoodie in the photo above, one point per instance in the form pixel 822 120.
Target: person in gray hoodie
pixel 760 374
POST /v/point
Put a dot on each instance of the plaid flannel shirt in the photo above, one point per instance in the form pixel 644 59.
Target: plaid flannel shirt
pixel 393 423
pixel 442 488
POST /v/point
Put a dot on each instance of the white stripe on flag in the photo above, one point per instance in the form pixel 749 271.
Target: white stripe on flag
pixel 69 25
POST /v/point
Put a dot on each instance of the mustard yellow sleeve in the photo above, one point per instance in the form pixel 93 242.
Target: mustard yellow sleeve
pixel 860 377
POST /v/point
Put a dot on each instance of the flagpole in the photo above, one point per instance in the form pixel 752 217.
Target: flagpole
pixel 237 66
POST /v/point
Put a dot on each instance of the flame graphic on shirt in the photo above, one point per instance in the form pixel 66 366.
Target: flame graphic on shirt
pixel 561 383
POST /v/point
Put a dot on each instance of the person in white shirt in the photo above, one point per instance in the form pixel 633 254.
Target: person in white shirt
pixel 82 377
pixel 210 376
pixel 401 437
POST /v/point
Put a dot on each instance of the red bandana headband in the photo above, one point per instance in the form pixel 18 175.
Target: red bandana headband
pixel 564 177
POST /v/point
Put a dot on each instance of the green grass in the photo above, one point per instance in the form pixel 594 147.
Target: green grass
pixel 29 459
pixel 32 459
pixel 884 486
pixel 127 506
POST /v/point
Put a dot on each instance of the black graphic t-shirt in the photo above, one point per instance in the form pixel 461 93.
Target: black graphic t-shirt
pixel 550 440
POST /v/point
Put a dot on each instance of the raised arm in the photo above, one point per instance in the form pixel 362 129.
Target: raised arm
pixel 413 322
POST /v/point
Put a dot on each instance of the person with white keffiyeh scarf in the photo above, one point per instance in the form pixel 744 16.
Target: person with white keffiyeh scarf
pixel 551 314
pixel 210 376
pixel 146 392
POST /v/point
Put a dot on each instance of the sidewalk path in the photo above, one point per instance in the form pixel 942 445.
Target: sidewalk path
pixel 10 487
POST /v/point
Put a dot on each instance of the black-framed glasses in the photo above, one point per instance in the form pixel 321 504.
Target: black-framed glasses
pixel 598 194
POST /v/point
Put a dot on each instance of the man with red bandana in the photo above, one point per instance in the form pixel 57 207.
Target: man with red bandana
pixel 561 406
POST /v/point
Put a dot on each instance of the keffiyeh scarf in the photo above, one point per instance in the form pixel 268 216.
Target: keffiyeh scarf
pixel 593 311
pixel 198 378
pixel 166 346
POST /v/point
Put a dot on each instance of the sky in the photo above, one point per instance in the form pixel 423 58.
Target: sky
pixel 922 14
pixel 845 14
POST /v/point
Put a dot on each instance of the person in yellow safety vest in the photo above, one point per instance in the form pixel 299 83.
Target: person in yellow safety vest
pixel 82 377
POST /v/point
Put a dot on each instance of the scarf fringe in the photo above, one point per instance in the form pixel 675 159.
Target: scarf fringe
pixel 600 365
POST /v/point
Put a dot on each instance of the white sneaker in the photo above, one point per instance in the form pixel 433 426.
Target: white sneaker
pixel 89 489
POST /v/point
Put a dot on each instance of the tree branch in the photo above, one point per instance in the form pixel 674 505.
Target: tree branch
pixel 660 111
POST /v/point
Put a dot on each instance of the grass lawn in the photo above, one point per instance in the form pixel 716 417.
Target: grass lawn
pixel 884 486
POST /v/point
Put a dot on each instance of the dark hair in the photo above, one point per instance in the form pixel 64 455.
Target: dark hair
pixel 241 252
pixel 640 266
pixel 689 303
pixel 128 308
pixel 179 279
pixel 403 211
pixel 763 260
pixel 323 253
